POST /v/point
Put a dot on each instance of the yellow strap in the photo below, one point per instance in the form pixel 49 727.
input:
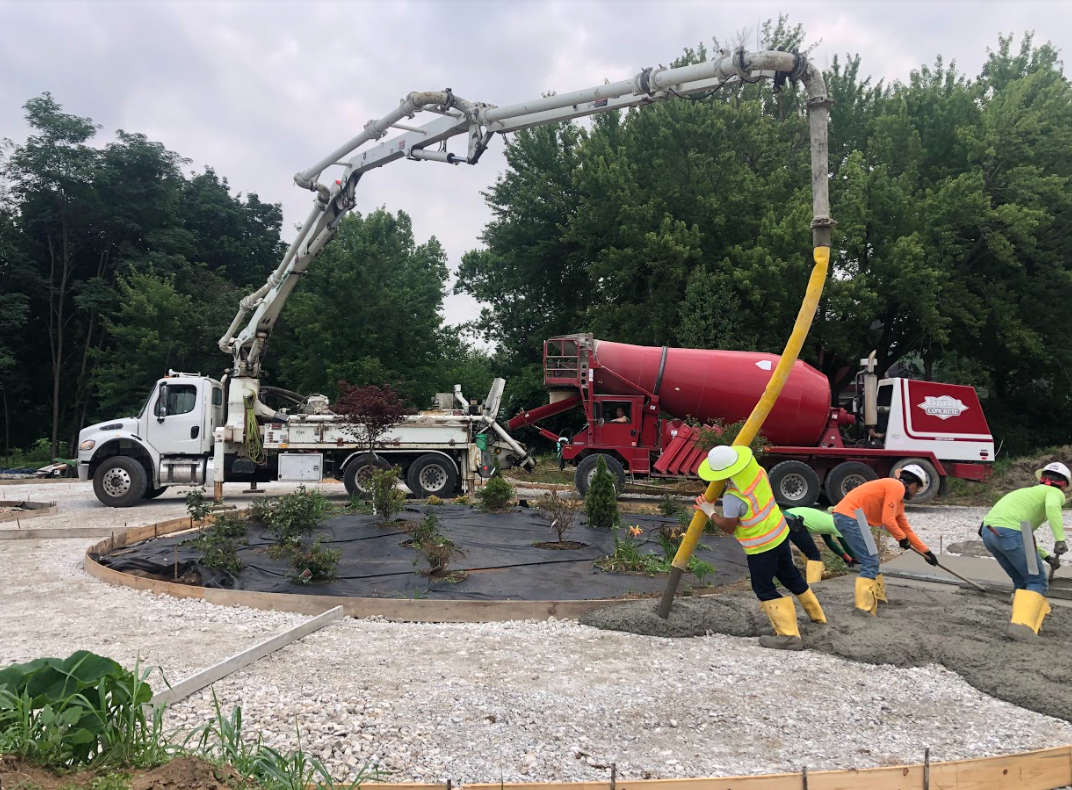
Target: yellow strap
pixel 763 408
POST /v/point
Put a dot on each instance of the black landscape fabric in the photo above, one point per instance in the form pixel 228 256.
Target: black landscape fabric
pixel 499 557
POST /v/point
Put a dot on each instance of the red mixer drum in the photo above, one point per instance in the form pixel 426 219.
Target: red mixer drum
pixel 722 385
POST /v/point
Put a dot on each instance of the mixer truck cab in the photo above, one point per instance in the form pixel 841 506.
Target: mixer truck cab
pixel 815 449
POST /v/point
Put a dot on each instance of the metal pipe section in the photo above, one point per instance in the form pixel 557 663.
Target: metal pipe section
pixel 523 457
pixel 870 393
pixel 250 301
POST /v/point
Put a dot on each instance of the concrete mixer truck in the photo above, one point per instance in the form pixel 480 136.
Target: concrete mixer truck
pixel 642 404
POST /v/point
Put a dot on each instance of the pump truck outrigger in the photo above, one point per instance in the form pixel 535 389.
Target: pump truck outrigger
pixel 197 430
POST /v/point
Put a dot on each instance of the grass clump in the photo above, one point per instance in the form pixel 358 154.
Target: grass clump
pixel 220 551
pixel 628 557
pixel 601 501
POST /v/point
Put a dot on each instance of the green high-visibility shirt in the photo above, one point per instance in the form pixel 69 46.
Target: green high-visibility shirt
pixel 818 522
pixel 1034 505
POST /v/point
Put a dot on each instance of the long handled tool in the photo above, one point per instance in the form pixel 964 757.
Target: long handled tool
pixel 969 582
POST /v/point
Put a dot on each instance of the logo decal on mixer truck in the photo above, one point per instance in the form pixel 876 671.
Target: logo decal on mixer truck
pixel 944 407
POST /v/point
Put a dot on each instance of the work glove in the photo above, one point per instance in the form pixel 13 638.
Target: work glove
pixel 1053 560
pixel 930 558
pixel 848 560
pixel 1060 548
pixel 904 543
pixel 702 504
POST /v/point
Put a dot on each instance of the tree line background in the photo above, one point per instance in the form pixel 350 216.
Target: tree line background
pixel 684 223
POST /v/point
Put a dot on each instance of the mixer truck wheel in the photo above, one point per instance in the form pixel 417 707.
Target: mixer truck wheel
pixel 794 484
pixel 356 476
pixel 432 475
pixel 931 491
pixel 846 476
pixel 586 469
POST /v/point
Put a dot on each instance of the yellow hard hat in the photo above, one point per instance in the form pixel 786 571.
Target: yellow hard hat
pixel 723 462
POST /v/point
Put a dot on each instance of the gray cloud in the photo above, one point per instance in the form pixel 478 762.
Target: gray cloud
pixel 260 90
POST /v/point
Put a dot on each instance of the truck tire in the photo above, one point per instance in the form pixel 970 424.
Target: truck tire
pixel 794 484
pixel 432 475
pixel 356 473
pixel 931 491
pixel 846 476
pixel 587 468
pixel 120 481
pixel 153 493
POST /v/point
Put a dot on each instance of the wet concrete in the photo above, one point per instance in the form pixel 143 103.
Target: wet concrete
pixel 962 631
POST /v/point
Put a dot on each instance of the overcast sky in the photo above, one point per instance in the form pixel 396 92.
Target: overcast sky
pixel 261 89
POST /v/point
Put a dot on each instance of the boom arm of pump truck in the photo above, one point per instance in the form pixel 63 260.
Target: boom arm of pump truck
pixel 479 122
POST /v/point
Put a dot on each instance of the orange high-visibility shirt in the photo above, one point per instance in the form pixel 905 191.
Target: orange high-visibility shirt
pixel 882 501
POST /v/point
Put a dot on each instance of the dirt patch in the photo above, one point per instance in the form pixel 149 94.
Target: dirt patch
pixel 182 773
pixel 969 548
pixel 560 545
pixel 962 631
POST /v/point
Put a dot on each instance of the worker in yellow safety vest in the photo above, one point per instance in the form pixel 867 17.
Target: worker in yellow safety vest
pixel 751 515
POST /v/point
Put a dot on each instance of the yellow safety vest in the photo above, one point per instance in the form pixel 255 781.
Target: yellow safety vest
pixel 762 527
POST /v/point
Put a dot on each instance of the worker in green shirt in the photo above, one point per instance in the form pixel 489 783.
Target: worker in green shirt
pixel 1002 536
pixel 821 523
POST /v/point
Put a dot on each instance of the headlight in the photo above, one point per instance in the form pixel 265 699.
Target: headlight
pixel 88 444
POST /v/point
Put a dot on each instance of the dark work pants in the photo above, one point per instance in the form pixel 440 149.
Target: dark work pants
pixel 802 540
pixel 775 564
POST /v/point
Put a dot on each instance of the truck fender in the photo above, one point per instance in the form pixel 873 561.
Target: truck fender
pixel 130 446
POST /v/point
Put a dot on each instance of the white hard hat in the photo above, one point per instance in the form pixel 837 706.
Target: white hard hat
pixel 1057 468
pixel 917 471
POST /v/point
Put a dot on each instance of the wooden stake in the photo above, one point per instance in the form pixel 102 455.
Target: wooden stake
pixel 613 776
pixel 176 562
pixel 927 768
pixel 804 776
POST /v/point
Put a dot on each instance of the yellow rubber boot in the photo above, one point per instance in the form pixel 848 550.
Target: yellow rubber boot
pixel 866 598
pixel 783 618
pixel 1028 611
pixel 814 571
pixel 810 604
pixel 880 589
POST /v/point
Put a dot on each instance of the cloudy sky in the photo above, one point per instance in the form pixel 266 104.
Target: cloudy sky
pixel 262 89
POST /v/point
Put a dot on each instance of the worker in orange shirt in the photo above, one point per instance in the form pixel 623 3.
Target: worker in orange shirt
pixel 881 504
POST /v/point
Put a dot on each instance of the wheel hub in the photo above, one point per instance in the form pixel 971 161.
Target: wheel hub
pixel 432 478
pixel 851 482
pixel 116 482
pixel 793 487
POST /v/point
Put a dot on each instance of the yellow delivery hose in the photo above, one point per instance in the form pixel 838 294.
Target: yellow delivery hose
pixel 758 415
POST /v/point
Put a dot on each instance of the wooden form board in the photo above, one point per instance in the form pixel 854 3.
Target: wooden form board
pixel 207 677
pixel 1038 770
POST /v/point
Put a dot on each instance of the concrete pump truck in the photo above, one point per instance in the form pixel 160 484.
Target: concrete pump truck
pixel 195 430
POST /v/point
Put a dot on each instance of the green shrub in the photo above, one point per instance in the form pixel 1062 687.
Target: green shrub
pixel 496 495
pixel 427 528
pixel 601 501
pixel 560 512
pixel 387 499
pixel 314 563
pixel 716 433
pixel 85 709
pixel 669 506
pixel 220 551
pixel 229 526
pixel 627 556
pixel 292 516
pixel 197 505
pixel 260 510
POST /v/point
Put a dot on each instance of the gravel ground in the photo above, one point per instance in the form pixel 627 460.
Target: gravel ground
pixel 547 701
pixel 526 701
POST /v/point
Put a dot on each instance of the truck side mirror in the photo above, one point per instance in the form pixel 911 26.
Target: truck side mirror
pixel 161 402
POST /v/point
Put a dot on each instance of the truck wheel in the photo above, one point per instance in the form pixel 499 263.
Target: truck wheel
pixel 586 470
pixel 120 481
pixel 846 476
pixel 794 484
pixel 355 478
pixel 153 493
pixel 432 475
pixel 931 491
